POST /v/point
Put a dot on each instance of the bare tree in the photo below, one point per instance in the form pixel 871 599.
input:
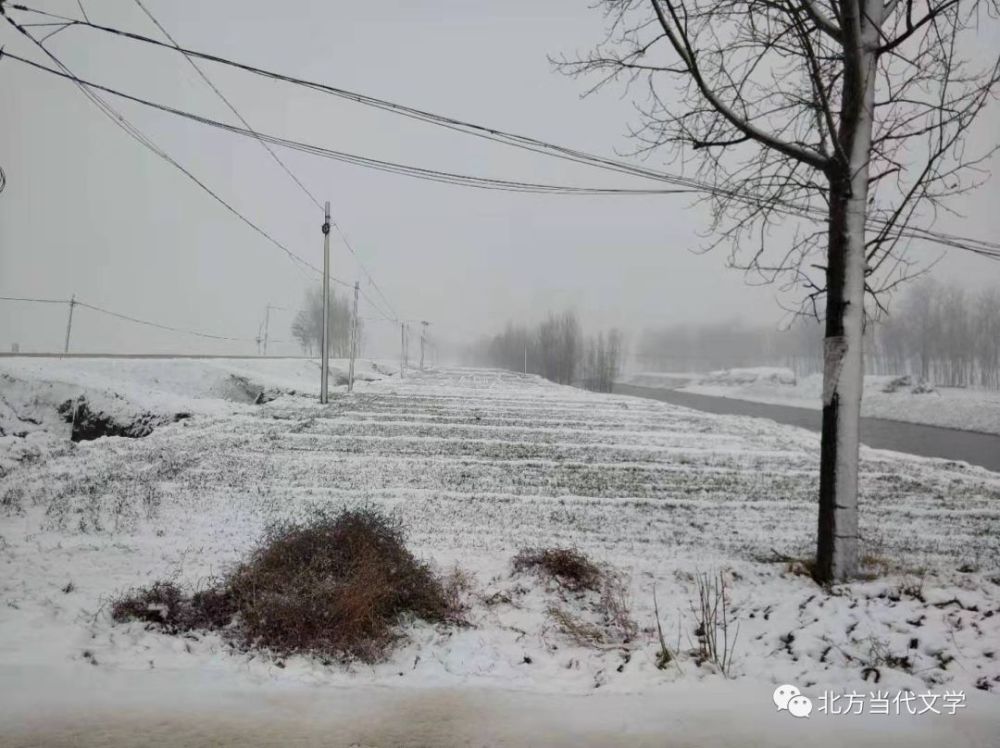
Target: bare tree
pixel 945 335
pixel 852 111
pixel 556 349
pixel 307 327
pixel 987 326
pixel 559 344
pixel 603 360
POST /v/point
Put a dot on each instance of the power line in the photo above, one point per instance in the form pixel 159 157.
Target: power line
pixel 229 104
pixel 385 315
pixel 982 247
pixel 136 134
pixel 128 318
pixel 418 172
pixel 36 301
pixel 364 270
pixel 264 145
pixel 157 325
pixel 489 133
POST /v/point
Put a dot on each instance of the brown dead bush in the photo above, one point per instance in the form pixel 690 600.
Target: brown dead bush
pixel 570 568
pixel 337 586
pixel 163 603
pixel 597 613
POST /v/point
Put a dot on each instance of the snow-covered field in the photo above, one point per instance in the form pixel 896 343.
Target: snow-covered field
pixel 478 464
pixel 952 407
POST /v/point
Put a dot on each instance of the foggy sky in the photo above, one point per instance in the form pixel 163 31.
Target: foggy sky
pixel 89 211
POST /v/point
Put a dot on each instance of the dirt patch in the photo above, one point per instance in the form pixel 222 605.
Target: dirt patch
pixel 87 424
pixel 337 586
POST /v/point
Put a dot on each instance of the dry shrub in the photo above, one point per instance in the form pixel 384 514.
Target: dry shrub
pixel 665 656
pixel 336 586
pixel 616 607
pixel 12 500
pixel 163 603
pixel 458 585
pixel 166 605
pixel 597 614
pixel 714 620
pixel 603 620
pixel 570 568
pixel 583 633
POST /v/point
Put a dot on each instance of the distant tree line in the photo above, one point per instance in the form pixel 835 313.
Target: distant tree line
pixel 943 334
pixel 938 332
pixel 557 349
pixel 307 327
pixel 706 347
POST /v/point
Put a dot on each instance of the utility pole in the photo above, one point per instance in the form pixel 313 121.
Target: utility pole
pixel 325 347
pixel 354 338
pixel 69 322
pixel 267 324
pixel 525 358
pixel 402 348
pixel 423 336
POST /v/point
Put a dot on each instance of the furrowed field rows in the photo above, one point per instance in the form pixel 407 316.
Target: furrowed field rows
pixel 515 433
pixel 462 465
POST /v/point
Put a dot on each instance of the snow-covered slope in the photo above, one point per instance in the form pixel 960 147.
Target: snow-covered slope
pixel 123 390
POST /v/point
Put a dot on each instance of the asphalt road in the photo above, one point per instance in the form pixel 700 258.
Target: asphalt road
pixel 928 441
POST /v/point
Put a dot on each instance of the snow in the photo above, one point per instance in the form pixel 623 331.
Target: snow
pixel 124 710
pixel 951 407
pixel 480 464
pixel 662 379
pixel 31 389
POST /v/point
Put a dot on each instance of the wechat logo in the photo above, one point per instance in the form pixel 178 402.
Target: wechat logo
pixel 788 698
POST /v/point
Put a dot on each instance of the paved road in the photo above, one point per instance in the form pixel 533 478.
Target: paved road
pixel 195 707
pixel 929 441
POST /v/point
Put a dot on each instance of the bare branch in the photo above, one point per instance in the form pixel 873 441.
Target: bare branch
pixel 682 45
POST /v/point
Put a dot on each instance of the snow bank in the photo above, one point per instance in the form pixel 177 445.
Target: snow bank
pixel 661 379
pixel 127 390
pixel 767 375
pixel 894 398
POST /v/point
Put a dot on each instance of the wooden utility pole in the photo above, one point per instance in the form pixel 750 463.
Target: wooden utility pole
pixel 354 338
pixel 324 376
pixel 69 322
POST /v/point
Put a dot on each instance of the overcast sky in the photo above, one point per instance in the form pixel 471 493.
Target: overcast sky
pixel 89 211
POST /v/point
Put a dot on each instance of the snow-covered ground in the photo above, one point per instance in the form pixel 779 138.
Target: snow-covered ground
pixel 953 407
pixel 478 464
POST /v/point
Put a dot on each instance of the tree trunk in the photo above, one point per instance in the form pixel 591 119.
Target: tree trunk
pixel 843 370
